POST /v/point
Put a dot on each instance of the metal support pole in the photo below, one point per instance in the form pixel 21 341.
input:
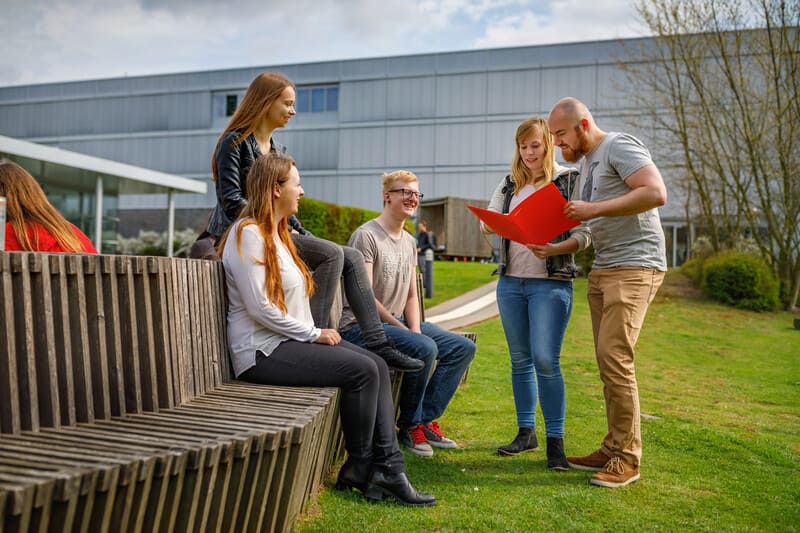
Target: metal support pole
pixel 427 276
pixel 170 222
pixel 674 246
pixel 98 215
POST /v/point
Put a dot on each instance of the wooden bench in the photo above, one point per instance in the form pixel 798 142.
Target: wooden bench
pixel 118 410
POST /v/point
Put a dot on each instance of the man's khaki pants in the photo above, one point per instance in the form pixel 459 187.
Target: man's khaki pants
pixel 618 300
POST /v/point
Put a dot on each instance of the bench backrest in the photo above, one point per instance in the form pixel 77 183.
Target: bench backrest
pixel 87 337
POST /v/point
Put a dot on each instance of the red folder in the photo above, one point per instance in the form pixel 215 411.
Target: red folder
pixel 537 220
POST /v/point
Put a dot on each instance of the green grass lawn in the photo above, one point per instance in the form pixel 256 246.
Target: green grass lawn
pixel 721 444
pixel 452 278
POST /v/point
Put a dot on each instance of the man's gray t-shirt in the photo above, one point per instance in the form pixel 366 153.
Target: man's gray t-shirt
pixel 393 262
pixel 631 240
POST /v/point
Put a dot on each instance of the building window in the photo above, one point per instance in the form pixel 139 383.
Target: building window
pixel 231 101
pixel 332 99
pixel 318 99
pixel 301 104
pixel 314 99
pixel 225 103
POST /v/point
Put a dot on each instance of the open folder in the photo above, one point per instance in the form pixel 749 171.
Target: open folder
pixel 537 220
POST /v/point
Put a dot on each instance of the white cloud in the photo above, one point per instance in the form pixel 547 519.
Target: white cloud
pixel 565 21
pixel 57 40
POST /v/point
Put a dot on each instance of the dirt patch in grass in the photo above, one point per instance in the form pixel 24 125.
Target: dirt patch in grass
pixel 677 286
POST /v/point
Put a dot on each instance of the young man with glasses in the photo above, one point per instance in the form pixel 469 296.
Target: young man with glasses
pixel 390 254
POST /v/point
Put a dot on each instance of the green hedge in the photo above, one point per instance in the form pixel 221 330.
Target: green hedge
pixel 740 279
pixel 330 221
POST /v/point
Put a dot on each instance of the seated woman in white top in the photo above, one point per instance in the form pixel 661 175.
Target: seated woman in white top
pixel 273 339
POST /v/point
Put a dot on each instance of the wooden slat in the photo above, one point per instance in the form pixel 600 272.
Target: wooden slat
pixel 61 466
pixel 26 361
pixel 144 352
pixel 63 512
pixel 76 322
pixel 62 356
pixel 174 342
pixel 181 329
pixel 91 362
pixel 44 348
pixel 219 332
pixel 129 335
pixel 112 350
pixel 10 420
pixel 157 279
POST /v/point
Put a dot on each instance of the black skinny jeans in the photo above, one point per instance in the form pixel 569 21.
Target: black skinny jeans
pixel 330 262
pixel 366 407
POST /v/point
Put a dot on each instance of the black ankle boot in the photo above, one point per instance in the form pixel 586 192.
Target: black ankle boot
pixel 396 359
pixel 525 441
pixel 382 484
pixel 556 460
pixel 354 475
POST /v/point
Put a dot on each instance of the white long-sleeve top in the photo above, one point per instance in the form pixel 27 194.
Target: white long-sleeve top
pixel 254 322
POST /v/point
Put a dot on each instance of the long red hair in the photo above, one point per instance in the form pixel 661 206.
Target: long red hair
pixel 268 172
pixel 263 91
pixel 27 205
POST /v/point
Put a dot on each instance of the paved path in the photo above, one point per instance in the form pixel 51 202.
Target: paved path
pixel 470 308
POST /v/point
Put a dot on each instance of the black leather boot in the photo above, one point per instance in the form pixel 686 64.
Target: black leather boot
pixel 382 484
pixel 354 474
pixel 525 441
pixel 556 459
pixel 396 359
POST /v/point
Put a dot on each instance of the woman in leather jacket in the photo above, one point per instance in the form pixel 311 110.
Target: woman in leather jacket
pixel 534 294
pixel 268 104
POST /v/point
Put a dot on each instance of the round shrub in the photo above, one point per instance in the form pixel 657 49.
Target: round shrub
pixel 741 280
pixel 693 269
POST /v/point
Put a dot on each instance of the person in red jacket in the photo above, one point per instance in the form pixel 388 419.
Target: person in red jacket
pixel 33 224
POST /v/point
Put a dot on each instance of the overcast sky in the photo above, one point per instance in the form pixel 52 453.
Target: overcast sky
pixel 63 40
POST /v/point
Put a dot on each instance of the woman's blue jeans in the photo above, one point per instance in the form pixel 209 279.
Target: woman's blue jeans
pixel 534 313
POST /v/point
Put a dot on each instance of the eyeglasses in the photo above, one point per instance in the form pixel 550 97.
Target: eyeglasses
pixel 408 193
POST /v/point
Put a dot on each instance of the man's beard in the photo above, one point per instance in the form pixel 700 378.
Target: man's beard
pixel 573 155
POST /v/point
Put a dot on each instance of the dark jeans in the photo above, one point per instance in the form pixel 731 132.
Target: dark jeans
pixel 330 263
pixel 366 407
pixel 424 399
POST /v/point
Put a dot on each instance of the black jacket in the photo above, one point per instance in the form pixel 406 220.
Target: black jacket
pixel 234 160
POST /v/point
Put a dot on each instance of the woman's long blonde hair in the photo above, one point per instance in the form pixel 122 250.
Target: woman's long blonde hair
pixel 268 172
pixel 26 204
pixel 262 92
pixel 519 172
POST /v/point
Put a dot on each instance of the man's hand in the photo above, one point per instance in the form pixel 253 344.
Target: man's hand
pixel 579 210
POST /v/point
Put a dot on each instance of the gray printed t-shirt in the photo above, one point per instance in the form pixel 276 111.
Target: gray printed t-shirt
pixel 631 240
pixel 393 262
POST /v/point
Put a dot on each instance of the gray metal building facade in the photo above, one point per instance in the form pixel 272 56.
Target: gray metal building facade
pixel 449 117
